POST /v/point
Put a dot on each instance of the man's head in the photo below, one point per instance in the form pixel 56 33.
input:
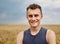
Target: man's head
pixel 34 6
pixel 34 15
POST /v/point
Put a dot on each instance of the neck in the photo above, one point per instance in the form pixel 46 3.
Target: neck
pixel 35 29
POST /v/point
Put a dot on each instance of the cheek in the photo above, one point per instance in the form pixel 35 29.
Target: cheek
pixel 29 19
pixel 40 17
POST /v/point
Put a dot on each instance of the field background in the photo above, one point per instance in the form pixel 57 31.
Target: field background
pixel 8 33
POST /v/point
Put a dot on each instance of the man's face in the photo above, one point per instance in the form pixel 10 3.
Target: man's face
pixel 34 16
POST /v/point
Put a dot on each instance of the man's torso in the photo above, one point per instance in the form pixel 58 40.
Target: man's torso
pixel 39 38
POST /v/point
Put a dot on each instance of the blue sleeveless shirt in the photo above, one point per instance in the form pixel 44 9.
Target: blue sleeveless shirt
pixel 39 38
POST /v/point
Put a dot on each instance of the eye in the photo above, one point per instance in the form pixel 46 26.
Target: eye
pixel 30 15
pixel 36 15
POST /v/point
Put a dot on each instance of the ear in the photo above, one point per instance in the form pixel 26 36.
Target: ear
pixel 26 15
pixel 41 16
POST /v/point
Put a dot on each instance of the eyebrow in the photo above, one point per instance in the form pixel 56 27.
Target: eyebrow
pixel 33 15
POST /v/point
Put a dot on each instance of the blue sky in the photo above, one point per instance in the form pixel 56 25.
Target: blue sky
pixel 14 11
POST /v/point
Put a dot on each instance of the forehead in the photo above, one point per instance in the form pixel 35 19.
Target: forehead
pixel 34 11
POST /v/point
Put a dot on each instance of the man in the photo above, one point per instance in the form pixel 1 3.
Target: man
pixel 36 34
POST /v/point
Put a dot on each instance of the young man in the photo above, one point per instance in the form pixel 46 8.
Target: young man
pixel 35 34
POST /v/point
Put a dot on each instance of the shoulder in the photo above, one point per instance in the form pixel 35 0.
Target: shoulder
pixel 50 32
pixel 20 35
pixel 51 37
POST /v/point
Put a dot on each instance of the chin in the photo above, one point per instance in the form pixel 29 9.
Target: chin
pixel 33 25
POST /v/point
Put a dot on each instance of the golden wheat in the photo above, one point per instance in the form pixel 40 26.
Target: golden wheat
pixel 8 33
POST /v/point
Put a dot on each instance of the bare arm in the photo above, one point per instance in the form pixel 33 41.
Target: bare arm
pixel 51 37
pixel 20 38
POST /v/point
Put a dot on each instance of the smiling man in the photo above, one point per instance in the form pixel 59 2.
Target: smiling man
pixel 36 34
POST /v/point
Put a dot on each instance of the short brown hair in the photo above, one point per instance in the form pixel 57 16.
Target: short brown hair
pixel 34 6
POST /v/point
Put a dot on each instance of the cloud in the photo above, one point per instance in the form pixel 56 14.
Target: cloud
pixel 13 11
pixel 49 3
pixel 50 8
pixel 3 15
pixel 16 22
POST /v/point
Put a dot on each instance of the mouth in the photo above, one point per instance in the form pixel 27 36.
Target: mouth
pixel 33 22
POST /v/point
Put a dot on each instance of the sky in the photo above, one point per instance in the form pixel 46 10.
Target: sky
pixel 13 12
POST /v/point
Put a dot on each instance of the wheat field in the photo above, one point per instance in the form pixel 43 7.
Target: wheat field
pixel 8 33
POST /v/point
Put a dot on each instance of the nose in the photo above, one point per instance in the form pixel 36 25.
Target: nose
pixel 33 18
